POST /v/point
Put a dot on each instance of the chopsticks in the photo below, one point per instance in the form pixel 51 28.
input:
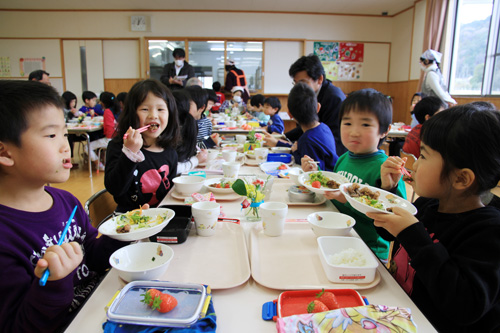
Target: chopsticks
pixel 405 172
pixel 142 129
pixel 45 275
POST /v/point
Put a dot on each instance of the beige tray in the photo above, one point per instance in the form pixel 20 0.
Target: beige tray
pixel 221 261
pixel 318 200
pixel 291 261
pixel 217 196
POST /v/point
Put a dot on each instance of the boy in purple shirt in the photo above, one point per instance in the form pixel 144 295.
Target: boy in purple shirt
pixel 272 107
pixel 34 151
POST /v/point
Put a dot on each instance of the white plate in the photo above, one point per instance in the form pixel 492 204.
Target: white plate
pixel 304 180
pixel 108 228
pixel 218 196
pixel 251 161
pixel 218 190
pixel 387 198
pixel 271 168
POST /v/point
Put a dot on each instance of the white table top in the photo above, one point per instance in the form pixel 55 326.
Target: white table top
pixel 239 309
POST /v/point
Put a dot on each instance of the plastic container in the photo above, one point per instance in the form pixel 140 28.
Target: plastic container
pixel 295 302
pixel 330 245
pixel 299 193
pixel 283 158
pixel 177 230
pixel 127 307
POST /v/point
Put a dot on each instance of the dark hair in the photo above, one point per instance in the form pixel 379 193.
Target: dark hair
pixel 110 102
pixel 216 86
pixel 88 95
pixel 179 53
pixel 484 105
pixel 311 64
pixel 212 96
pixel 372 101
pixel 68 96
pixel 37 75
pixel 189 128
pixel 18 99
pixel 467 137
pixel 257 100
pixel 421 94
pixel 274 102
pixel 303 104
pixel 137 94
pixel 199 96
pixel 428 106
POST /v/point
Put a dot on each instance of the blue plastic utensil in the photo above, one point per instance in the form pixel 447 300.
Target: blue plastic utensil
pixel 45 275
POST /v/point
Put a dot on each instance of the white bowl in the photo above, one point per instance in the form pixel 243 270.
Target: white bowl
pixel 304 179
pixel 281 150
pixel 142 261
pixel 210 181
pixel 331 245
pixel 188 184
pixel 388 199
pixel 331 223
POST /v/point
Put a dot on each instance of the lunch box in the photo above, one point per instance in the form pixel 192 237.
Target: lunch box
pixel 177 230
pixel 295 302
pixel 276 157
pixel 192 304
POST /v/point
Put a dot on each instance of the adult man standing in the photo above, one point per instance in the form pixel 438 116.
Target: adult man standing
pixel 176 74
pixel 308 69
pixel 40 76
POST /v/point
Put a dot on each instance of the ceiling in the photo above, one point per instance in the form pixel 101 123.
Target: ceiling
pixel 360 7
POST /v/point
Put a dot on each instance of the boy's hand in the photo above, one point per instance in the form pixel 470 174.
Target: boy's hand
pixel 216 138
pixel 134 140
pixel 390 172
pixel 335 195
pixel 393 223
pixel 306 165
pixel 61 260
pixel 295 146
pixel 270 140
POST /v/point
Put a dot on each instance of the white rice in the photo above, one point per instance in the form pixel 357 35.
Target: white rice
pixel 348 257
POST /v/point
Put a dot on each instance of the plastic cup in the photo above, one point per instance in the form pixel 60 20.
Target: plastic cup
pixel 230 169
pixel 212 154
pixel 205 214
pixel 241 139
pixel 261 154
pixel 273 217
pixel 229 155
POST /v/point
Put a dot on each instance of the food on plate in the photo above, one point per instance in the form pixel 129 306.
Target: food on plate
pixel 328 299
pixel 246 127
pixel 348 258
pixel 365 195
pixel 282 167
pixel 319 217
pixel 222 184
pixel 316 306
pixel 136 220
pixel 320 179
pixel 159 301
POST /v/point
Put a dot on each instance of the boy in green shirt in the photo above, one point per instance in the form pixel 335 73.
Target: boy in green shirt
pixel 365 116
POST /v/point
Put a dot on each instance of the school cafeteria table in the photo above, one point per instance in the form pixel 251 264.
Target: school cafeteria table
pixel 239 308
pixel 84 131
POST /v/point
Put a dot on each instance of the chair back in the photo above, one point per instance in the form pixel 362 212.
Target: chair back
pixel 100 207
pixel 410 160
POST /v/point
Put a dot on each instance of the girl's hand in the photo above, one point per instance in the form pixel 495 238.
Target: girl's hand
pixel 216 138
pixel 306 165
pixel 335 195
pixel 61 260
pixel 393 223
pixel 390 172
pixel 270 140
pixel 202 156
pixel 134 140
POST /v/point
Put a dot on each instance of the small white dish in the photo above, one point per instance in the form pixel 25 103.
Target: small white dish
pixel 214 189
pixel 331 223
pixel 271 168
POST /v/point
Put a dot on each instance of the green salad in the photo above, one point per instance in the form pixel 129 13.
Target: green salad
pixel 370 202
pixel 318 176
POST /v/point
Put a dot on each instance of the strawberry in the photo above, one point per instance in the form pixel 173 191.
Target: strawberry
pixel 316 306
pixel 282 167
pixel 164 303
pixel 329 299
pixel 150 295
pixel 316 184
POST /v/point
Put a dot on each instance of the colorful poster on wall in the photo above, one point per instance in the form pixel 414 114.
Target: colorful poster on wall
pixel 331 70
pixel 5 69
pixel 352 52
pixel 326 51
pixel 28 65
pixel 350 71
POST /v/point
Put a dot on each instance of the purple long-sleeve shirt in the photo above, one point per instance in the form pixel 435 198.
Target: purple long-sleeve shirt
pixel 26 306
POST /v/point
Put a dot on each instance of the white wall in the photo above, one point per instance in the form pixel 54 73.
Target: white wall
pixel 418 39
pixel 401 44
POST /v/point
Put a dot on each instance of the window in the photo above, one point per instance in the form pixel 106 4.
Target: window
pixel 475 63
pixel 160 54
pixel 247 56
pixel 207 58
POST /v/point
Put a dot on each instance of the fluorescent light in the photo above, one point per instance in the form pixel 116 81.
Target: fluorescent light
pixel 156 54
pixel 170 47
pixel 215 41
pixel 217 49
pixel 253 50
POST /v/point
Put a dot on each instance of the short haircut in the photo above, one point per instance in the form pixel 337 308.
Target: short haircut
pixel 194 81
pixel 467 137
pixel 216 86
pixel 428 106
pixel 484 105
pixel 137 94
pixel 199 96
pixel 257 100
pixel 274 102
pixel 212 96
pixel 179 53
pixel 88 95
pixel 68 96
pixel 372 101
pixel 109 101
pixel 421 94
pixel 311 64
pixel 37 75
pixel 121 97
pixel 19 99
pixel 303 104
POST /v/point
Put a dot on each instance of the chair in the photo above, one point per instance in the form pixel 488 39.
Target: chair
pixel 100 207
pixel 410 160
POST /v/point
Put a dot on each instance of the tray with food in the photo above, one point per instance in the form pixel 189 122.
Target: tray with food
pixel 220 185
pixel 322 181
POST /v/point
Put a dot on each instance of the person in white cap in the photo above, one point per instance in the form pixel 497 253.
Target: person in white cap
pixel 236 78
pixel 433 84
pixel 236 102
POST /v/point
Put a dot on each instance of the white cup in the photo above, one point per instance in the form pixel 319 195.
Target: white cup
pixel 294 174
pixel 241 139
pixel 205 214
pixel 231 123
pixel 231 169
pixel 261 154
pixel 229 155
pixel 212 154
pixel 273 217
